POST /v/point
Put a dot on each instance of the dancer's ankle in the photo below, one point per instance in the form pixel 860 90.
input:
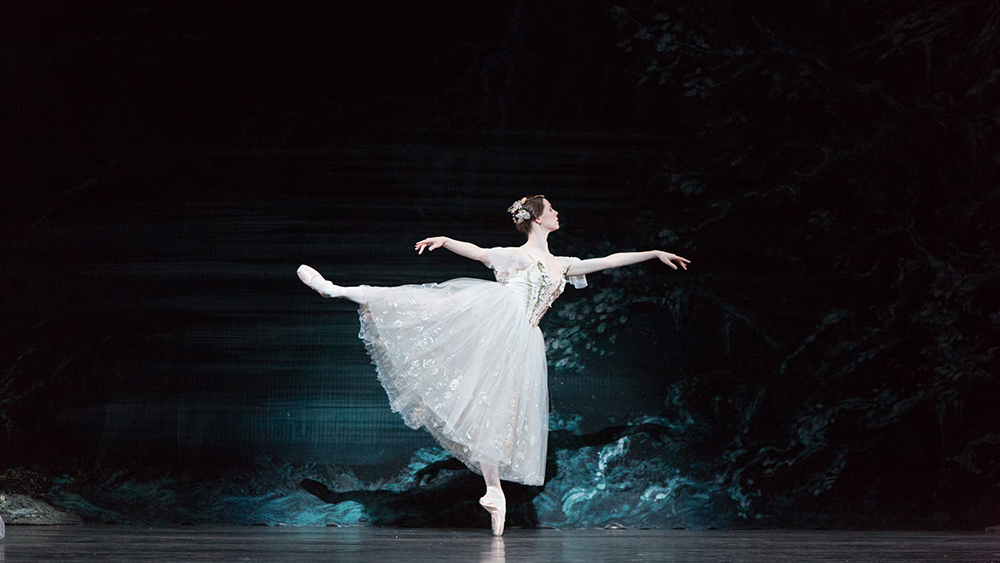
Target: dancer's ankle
pixel 326 288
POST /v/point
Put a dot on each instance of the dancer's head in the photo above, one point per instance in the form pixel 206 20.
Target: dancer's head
pixel 534 210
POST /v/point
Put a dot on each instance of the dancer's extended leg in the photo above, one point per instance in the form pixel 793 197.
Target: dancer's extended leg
pixel 313 279
pixel 494 501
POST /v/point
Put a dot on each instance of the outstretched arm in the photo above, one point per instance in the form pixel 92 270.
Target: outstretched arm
pixel 619 259
pixel 466 249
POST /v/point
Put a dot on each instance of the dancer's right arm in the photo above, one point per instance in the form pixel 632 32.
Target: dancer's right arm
pixel 466 249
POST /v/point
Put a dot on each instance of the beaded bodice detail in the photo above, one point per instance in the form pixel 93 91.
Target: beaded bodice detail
pixel 536 286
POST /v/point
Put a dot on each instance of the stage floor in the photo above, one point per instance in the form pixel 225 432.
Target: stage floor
pixel 196 543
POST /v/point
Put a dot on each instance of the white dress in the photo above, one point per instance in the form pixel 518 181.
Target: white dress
pixel 465 359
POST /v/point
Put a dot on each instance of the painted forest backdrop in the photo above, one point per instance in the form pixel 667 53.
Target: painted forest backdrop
pixel 831 169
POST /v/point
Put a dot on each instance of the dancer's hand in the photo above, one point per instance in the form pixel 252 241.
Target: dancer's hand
pixel 430 244
pixel 669 259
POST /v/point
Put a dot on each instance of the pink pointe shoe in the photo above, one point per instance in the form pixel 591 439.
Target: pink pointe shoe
pixel 495 503
pixel 313 279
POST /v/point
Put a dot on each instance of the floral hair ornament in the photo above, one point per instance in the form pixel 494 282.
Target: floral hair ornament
pixel 519 213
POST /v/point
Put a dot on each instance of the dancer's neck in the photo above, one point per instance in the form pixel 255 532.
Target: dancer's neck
pixel 538 240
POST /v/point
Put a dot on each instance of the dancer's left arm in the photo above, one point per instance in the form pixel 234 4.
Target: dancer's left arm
pixel 619 259
pixel 461 248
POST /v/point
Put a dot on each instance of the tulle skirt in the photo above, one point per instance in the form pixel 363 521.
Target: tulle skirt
pixel 460 359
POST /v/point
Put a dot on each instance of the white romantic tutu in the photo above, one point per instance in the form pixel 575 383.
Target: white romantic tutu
pixel 465 359
pixel 461 360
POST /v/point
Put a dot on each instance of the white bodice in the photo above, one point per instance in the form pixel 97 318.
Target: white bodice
pixel 537 287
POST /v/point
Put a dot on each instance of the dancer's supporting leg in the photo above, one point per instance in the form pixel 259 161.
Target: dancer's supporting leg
pixel 493 501
pixel 313 279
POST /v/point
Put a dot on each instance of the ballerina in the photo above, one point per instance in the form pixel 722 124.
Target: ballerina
pixel 465 358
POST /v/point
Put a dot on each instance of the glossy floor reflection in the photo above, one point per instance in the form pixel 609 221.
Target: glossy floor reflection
pixel 123 543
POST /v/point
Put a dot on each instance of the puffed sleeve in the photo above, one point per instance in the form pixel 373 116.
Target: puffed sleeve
pixel 579 282
pixel 505 261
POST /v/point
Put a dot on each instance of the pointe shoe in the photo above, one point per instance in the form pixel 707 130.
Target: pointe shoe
pixel 313 279
pixel 495 503
pixel 306 273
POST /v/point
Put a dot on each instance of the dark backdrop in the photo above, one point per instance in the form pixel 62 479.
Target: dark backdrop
pixel 831 170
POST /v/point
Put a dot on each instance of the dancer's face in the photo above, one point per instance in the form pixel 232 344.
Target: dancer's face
pixel 549 219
